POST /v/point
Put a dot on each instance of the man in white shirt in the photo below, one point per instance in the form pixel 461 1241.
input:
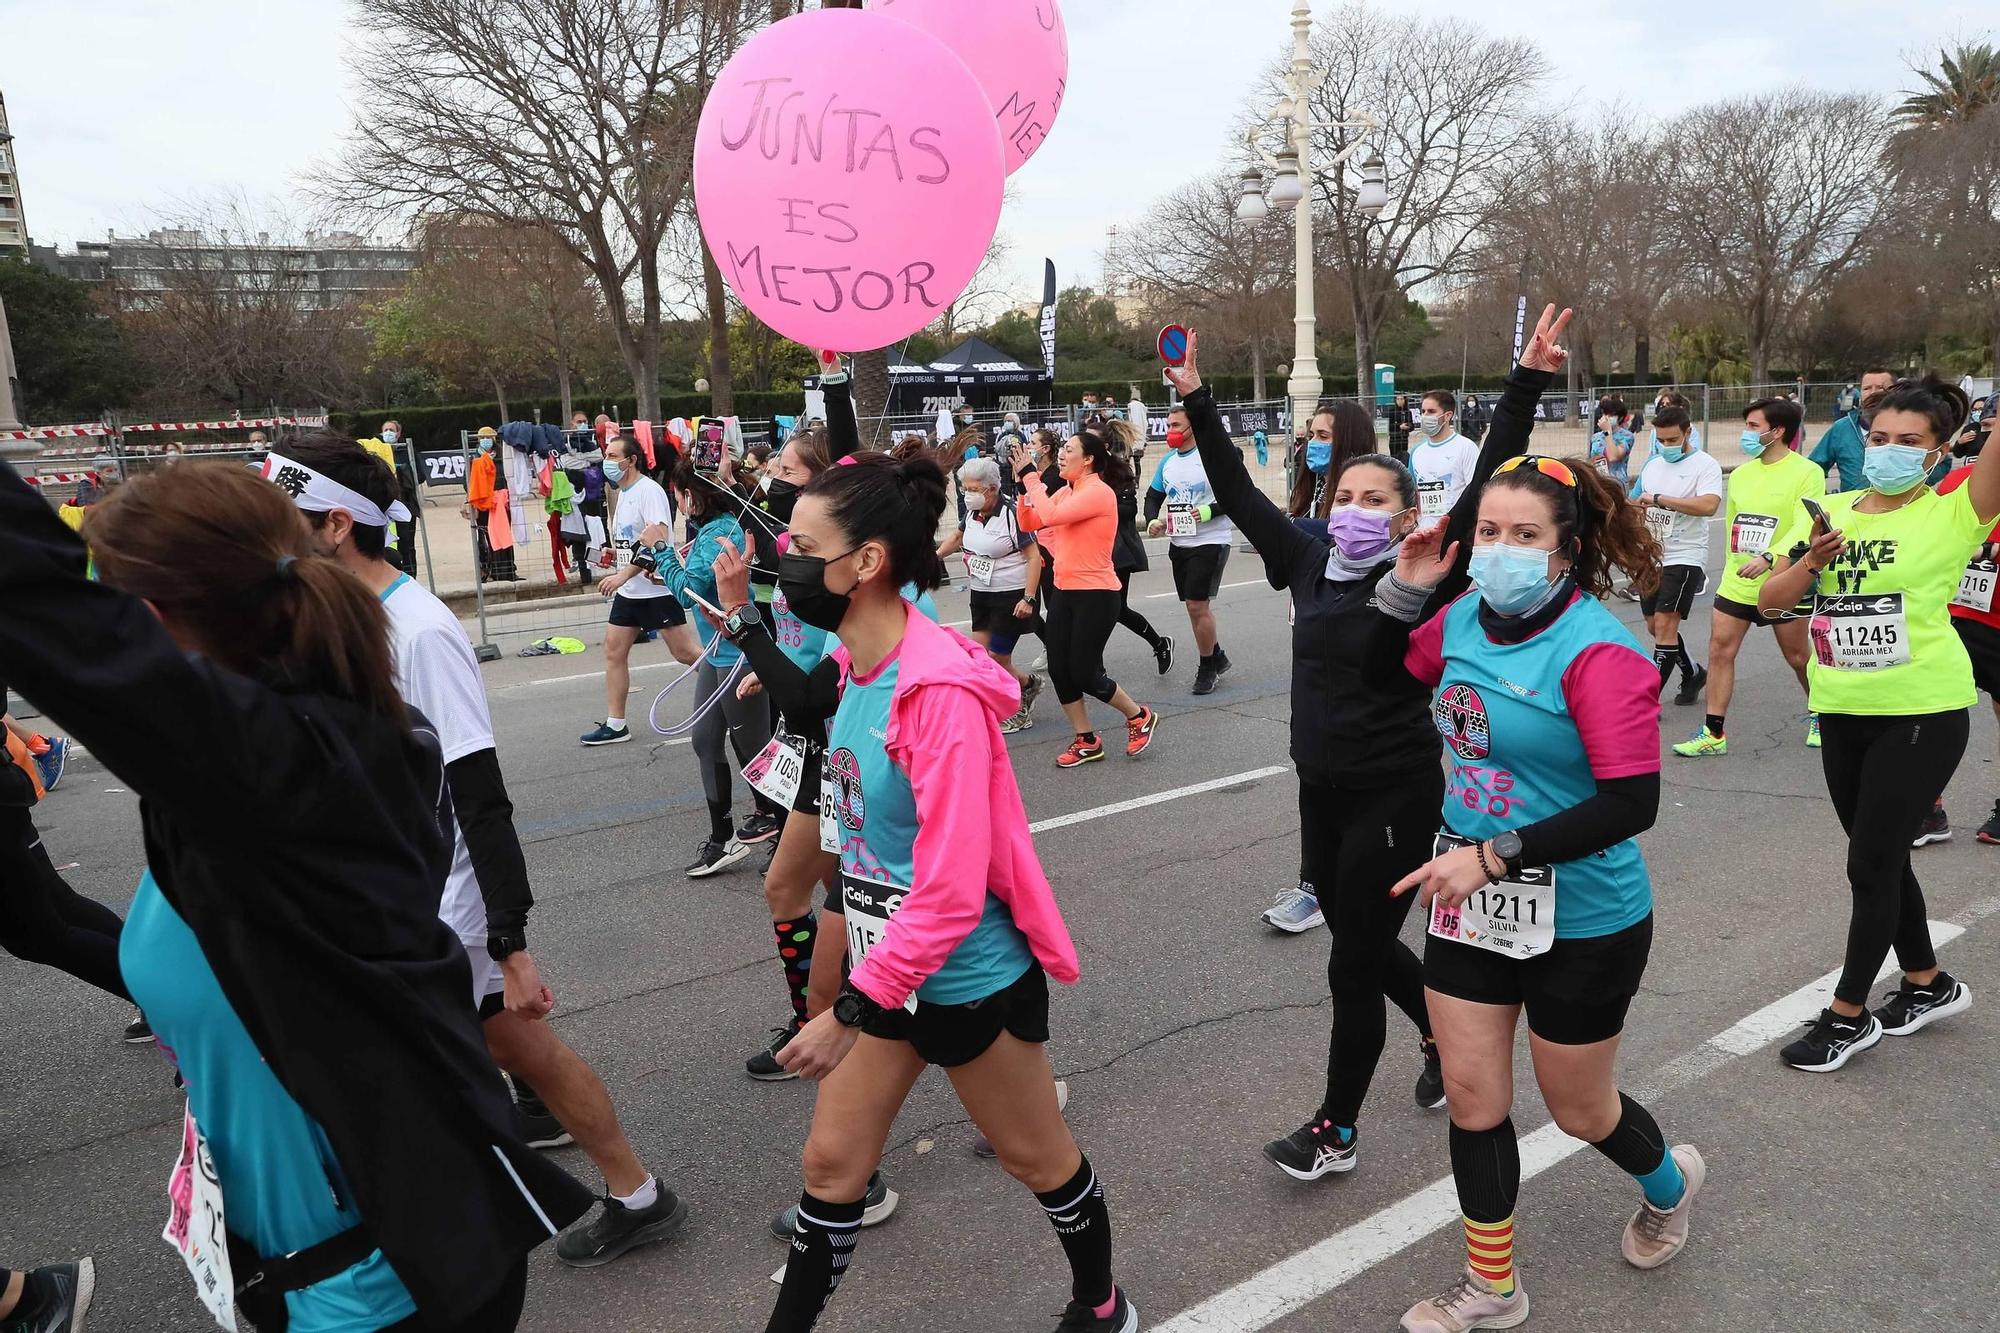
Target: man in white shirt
pixel 1680 488
pixel 1442 458
pixel 638 602
pixel 1199 535
pixel 486 898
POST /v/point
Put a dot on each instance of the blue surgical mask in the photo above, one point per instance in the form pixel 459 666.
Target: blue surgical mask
pixel 1753 444
pixel 1511 579
pixel 1674 454
pixel 1895 468
pixel 1319 455
pixel 388 437
pixel 614 470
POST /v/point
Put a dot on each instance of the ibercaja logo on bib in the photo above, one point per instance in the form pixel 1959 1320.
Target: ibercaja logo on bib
pixel 1461 719
pixel 845 771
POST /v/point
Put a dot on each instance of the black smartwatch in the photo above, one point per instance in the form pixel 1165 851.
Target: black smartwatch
pixel 740 621
pixel 1507 846
pixel 501 947
pixel 852 1009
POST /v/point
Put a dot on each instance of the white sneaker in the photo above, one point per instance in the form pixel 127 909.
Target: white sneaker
pixel 1295 912
pixel 1468 1304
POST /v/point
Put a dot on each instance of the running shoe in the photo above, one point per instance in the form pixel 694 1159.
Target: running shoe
pixel 54 1299
pixel 606 735
pixel 618 1229
pixel 1018 723
pixel 761 826
pixel 1704 744
pixel 1204 677
pixel 1468 1304
pixel 138 1032
pixel 1911 1008
pixel 1655 1235
pixel 1139 733
pixel 1313 1150
pixel 1935 828
pixel 540 1128
pixel 51 761
pixel 1295 912
pixel 1831 1040
pixel 764 1066
pixel 1812 732
pixel 877 1204
pixel 1080 752
pixel 1080 1318
pixel 1430 1083
pixel 1029 693
pixel 716 857
pixel 1222 662
pixel 1691 688
pixel 1989 832
pixel 1163 654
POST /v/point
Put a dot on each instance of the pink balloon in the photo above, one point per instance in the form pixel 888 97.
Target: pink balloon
pixel 848 175
pixel 1018 50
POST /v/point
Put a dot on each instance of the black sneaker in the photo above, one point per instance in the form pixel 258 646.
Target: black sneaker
pixel 761 826
pixel 1911 1008
pixel 1222 662
pixel 138 1032
pixel 876 1205
pixel 1989 832
pixel 1430 1083
pixel 764 1066
pixel 1935 828
pixel 1163 654
pixel 539 1126
pixel 1080 1318
pixel 716 857
pixel 1204 676
pixel 617 1229
pixel 605 734
pixel 53 1299
pixel 1831 1041
pixel 1313 1150
pixel 1691 688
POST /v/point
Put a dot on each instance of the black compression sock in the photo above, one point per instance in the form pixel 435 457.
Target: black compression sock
pixel 1687 663
pixel 1486 1164
pixel 822 1244
pixel 1714 722
pixel 1666 657
pixel 1639 1149
pixel 719 827
pixel 1076 1210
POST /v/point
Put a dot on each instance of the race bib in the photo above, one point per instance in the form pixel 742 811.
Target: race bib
pixel 778 769
pixel 1431 501
pixel 621 552
pixel 1975 588
pixel 980 567
pixel 829 823
pixel 1861 633
pixel 1660 522
pixel 1516 917
pixel 1181 521
pixel 195 1224
pixel 1752 534
pixel 869 904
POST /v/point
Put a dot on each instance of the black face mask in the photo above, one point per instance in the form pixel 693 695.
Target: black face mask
pixel 802 578
pixel 780 498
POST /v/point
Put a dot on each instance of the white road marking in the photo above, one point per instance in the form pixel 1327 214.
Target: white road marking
pixel 1290 1284
pixel 1157 798
pixel 1246 583
pixel 571 680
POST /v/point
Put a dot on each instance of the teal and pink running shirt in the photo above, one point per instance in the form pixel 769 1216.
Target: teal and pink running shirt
pixel 1529 728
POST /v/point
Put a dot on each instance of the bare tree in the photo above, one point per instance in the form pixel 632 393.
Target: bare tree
pixel 575 115
pixel 989 285
pixel 1458 121
pixel 1767 200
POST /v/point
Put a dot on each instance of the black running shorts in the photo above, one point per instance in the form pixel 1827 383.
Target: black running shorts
pixel 1679 586
pixel 1983 642
pixel 1198 570
pixel 1744 611
pixel 949 1035
pixel 654 613
pixel 1575 994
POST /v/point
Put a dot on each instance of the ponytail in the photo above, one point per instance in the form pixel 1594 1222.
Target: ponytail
pixel 897 501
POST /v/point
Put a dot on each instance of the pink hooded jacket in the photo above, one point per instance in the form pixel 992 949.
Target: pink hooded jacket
pixel 972 832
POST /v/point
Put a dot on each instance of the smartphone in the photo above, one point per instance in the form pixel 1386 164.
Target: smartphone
pixel 707 605
pixel 1821 525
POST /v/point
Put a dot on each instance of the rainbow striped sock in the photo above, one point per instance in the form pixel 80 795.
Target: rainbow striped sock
pixel 1489 1253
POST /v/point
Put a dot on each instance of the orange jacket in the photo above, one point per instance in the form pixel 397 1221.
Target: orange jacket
pixel 1079 525
pixel 479 483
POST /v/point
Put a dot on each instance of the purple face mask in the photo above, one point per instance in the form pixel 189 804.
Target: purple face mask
pixel 1359 534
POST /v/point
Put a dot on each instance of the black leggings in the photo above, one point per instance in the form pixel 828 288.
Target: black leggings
pixel 43 920
pixel 1080 624
pixel 1129 618
pixel 1357 843
pixel 1883 774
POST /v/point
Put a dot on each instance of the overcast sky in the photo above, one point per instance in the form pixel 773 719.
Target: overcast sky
pixel 124 111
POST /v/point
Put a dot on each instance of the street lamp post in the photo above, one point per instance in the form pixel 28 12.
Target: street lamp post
pixel 1291 189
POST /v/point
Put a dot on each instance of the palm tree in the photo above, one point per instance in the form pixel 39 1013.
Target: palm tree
pixel 1965 82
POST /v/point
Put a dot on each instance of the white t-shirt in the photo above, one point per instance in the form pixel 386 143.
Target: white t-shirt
pixel 640 505
pixel 1685 536
pixel 997 540
pixel 1185 482
pixel 438 675
pixel 1444 469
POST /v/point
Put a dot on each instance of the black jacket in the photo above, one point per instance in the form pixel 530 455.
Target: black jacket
pixel 1128 549
pixel 1346 731
pixel 300 839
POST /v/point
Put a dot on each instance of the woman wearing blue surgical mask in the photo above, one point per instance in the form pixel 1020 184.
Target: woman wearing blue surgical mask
pixel 1339 434
pixel 1367 756
pixel 1537 897
pixel 1893 684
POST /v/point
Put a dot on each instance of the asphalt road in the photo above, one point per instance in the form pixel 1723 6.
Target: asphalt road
pixel 1854 1200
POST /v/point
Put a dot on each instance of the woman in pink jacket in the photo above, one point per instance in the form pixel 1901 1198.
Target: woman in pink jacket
pixel 952 927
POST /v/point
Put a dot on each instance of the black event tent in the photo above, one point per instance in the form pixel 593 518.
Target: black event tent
pixel 975 371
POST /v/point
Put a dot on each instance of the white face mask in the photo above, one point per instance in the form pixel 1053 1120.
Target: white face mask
pixel 1431 424
pixel 977 501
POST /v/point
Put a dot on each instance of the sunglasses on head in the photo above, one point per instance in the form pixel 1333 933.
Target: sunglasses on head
pixel 1553 468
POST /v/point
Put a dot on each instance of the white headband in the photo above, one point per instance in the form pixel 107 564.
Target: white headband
pixel 316 493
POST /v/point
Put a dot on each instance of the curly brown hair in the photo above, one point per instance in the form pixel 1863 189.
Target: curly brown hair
pixel 1604 530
